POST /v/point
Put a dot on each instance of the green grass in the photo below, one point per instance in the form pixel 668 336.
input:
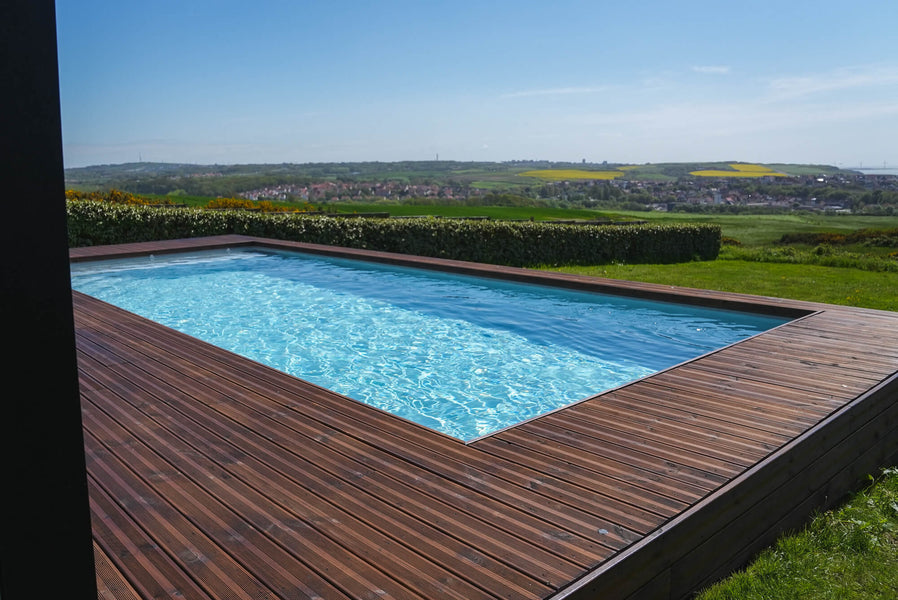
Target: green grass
pixel 857 257
pixel 800 170
pixel 499 184
pixel 192 201
pixel 853 276
pixel 846 554
pixel 832 285
pixel 761 230
pixel 571 174
pixel 493 212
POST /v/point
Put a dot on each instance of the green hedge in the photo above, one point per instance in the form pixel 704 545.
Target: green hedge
pixel 495 242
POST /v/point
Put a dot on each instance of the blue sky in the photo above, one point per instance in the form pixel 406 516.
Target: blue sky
pixel 202 81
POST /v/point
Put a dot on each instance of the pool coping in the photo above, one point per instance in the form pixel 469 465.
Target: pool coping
pixel 812 470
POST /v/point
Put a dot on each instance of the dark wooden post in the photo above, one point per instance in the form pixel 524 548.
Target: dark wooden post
pixel 46 534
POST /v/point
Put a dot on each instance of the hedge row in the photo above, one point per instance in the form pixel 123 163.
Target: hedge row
pixel 495 242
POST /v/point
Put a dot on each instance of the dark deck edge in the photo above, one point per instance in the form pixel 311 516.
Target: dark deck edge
pixel 691 551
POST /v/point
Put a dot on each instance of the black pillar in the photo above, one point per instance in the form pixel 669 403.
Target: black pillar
pixel 46 535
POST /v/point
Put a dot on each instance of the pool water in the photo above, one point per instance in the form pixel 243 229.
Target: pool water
pixel 463 355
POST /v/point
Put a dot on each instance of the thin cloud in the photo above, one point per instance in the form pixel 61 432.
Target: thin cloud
pixel 692 121
pixel 556 91
pixel 838 80
pixel 712 69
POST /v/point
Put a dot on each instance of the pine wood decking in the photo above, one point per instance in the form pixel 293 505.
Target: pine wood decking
pixel 212 476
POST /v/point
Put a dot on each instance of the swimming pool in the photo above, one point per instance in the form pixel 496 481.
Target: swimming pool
pixel 463 355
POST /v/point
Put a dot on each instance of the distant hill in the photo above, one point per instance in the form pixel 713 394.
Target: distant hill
pixel 226 180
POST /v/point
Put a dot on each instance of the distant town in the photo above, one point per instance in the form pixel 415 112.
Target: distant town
pixel 816 193
pixel 736 187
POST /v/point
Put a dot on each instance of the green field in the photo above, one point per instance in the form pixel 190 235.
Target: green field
pixel 861 278
pixel 512 213
pixel 832 285
pixel 192 201
pixel 750 230
pixel 571 174
pixel 763 230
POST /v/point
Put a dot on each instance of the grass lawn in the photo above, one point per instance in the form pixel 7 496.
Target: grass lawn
pixel 494 212
pixel 846 554
pixel 762 230
pixel 832 285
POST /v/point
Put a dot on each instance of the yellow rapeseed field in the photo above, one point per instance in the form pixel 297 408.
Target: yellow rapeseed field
pixel 568 174
pixel 750 168
pixel 740 170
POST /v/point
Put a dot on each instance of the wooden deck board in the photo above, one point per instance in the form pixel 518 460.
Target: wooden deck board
pixel 719 445
pixel 463 473
pixel 485 532
pixel 278 529
pixel 316 484
pixel 214 476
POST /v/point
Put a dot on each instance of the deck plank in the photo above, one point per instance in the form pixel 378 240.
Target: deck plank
pixel 518 524
pixel 467 472
pixel 323 483
pixel 233 515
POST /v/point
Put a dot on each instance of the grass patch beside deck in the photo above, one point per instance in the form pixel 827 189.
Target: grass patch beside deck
pixel 847 554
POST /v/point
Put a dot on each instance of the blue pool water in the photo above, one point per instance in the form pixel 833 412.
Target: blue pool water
pixel 466 356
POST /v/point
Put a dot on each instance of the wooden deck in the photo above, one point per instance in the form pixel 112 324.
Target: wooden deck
pixel 212 476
